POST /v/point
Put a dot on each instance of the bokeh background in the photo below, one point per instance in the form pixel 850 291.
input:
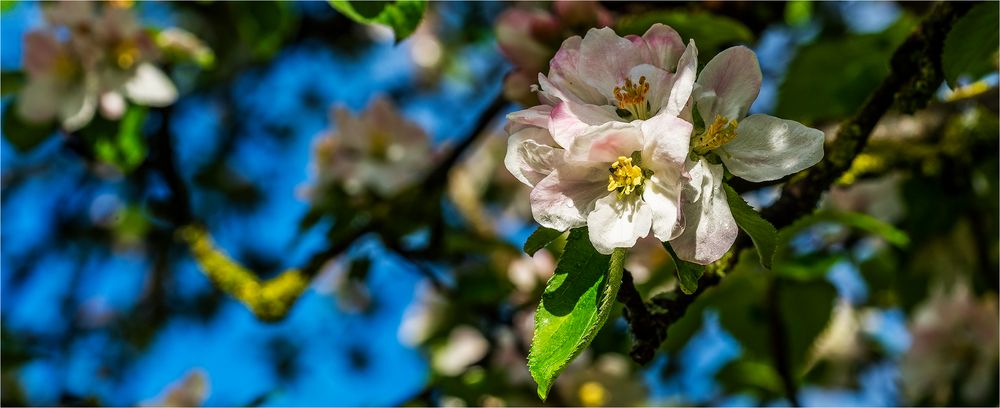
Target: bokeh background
pixel 102 304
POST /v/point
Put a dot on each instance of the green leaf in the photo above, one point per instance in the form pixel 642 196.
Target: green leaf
pixel 23 135
pixel 574 307
pixel 756 375
pixel 126 149
pixel 539 239
pixel 688 273
pixel 805 308
pixel 402 16
pixel 760 231
pixel 807 267
pixel 11 82
pixel 812 91
pixel 798 12
pixel 710 32
pixel 971 46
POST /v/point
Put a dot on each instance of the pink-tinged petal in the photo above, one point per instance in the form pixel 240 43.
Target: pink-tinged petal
pixel 529 158
pixel 151 87
pixel 606 59
pixel 618 223
pixel 667 140
pixel 729 84
pixel 537 116
pixel 515 39
pixel 563 199
pixel 683 82
pixel 547 93
pixel 662 194
pixel 769 148
pixel 112 105
pixel 41 51
pixel 709 227
pixel 569 120
pixel 659 84
pixel 605 143
pixel 665 46
pixel 566 80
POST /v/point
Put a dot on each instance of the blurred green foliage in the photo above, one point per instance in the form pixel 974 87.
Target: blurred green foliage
pixel 830 78
pixel 971 46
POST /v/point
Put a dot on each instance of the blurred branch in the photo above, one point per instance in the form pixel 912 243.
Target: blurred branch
pixel 271 300
pixel 915 75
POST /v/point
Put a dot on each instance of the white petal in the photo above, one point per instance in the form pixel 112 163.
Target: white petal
pixel 683 82
pixel 150 86
pixel 709 227
pixel 616 223
pixel 605 143
pixel 729 84
pixel 529 158
pixel 667 139
pixel 606 59
pixel 534 116
pixel 662 195
pixel 563 199
pixel 665 46
pixel 112 105
pixel 78 108
pixel 566 80
pixel 769 148
pixel 569 120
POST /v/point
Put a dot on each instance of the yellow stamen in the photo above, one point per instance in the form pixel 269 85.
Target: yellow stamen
pixel 720 132
pixel 126 54
pixel 632 98
pixel 625 177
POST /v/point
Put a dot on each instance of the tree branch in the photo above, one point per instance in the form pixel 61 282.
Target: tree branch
pixel 271 300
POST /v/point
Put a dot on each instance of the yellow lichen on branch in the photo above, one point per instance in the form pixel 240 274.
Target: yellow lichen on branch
pixel 269 300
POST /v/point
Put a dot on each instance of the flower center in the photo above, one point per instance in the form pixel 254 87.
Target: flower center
pixel 125 54
pixel 720 132
pixel 631 98
pixel 65 66
pixel 625 176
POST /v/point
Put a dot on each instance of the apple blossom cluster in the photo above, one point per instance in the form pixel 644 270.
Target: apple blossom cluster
pixel 377 151
pixel 630 139
pixel 105 58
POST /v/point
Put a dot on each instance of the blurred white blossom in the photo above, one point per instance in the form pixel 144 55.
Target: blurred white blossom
pixel 954 353
pixel 107 58
pixel 377 151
